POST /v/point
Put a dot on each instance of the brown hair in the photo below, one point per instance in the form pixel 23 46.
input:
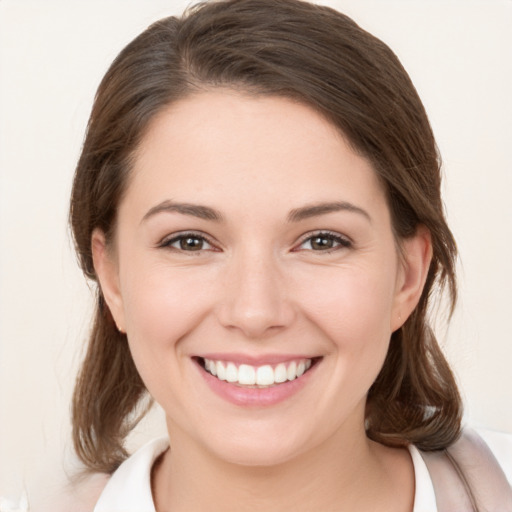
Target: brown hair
pixel 321 58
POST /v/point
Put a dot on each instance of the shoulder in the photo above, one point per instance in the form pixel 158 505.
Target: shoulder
pixel 477 466
pixel 500 444
pixel 128 488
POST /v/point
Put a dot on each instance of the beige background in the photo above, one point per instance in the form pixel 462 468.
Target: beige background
pixel 52 56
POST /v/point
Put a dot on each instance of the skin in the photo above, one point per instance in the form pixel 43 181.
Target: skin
pixel 259 286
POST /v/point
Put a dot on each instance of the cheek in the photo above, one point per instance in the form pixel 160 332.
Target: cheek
pixel 352 306
pixel 161 307
pixel 352 309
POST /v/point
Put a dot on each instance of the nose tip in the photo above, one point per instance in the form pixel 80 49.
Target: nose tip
pixel 256 301
pixel 254 324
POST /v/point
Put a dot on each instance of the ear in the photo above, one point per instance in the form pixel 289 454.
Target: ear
pixel 415 258
pixel 107 271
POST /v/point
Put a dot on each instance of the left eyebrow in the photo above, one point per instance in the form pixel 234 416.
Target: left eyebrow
pixel 195 210
pixel 314 210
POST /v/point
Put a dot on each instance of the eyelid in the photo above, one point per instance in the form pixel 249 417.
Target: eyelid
pixel 168 240
pixel 343 240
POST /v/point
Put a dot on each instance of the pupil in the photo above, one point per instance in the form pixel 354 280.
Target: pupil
pixel 321 242
pixel 191 244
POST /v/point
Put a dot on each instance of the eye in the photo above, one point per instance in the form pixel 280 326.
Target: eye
pixel 324 242
pixel 190 242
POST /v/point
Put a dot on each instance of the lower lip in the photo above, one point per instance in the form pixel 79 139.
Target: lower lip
pixel 256 397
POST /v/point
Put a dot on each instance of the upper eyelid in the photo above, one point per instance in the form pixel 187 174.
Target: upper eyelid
pixel 347 242
pixel 182 234
pixel 306 236
pixel 326 232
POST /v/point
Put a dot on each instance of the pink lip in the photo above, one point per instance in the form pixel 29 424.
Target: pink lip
pixel 255 397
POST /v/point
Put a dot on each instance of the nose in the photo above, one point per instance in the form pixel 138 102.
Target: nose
pixel 255 298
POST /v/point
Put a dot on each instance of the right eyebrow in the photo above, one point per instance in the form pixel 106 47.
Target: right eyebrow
pixel 195 210
pixel 318 209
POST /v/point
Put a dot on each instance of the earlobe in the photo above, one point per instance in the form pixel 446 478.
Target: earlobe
pixel 416 255
pixel 108 277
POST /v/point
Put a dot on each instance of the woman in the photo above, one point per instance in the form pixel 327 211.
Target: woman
pixel 258 198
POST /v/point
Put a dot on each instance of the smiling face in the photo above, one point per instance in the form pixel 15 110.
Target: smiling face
pixel 255 272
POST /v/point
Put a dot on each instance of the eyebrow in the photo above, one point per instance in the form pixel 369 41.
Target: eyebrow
pixel 315 210
pixel 295 215
pixel 195 210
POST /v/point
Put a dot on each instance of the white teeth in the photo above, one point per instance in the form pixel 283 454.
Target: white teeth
pixel 280 374
pixel 246 375
pixel 231 373
pixel 221 371
pixel 292 371
pixel 266 375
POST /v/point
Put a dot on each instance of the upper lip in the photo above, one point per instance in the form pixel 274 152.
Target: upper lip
pixel 255 360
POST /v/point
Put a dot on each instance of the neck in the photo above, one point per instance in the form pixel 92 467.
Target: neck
pixel 345 473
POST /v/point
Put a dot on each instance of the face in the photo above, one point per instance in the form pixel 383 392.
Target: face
pixel 256 275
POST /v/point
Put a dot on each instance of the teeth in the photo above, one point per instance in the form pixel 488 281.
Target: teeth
pixel 221 371
pixel 231 373
pixel 292 371
pixel 246 375
pixel 280 373
pixel 263 376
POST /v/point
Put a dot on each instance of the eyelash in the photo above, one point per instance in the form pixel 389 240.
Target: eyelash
pixel 341 241
pixel 180 237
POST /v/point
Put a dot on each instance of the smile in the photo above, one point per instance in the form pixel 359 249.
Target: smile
pixel 257 376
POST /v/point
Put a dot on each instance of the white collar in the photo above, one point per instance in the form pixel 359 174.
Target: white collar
pixel 129 488
pixel 424 495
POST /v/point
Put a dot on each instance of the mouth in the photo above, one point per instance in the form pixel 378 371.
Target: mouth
pixel 257 376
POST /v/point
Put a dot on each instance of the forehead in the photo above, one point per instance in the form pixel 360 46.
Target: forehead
pixel 224 146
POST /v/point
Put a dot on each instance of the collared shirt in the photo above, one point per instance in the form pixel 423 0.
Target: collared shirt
pixel 129 488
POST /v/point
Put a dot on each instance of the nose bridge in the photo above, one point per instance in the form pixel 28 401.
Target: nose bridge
pixel 256 298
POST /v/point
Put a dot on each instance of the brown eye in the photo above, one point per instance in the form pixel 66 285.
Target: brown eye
pixel 188 242
pixel 325 242
pixel 191 243
pixel 320 243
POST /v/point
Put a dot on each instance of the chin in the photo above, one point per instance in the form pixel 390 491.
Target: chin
pixel 258 447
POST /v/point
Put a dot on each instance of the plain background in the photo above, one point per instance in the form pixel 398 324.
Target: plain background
pixel 52 57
